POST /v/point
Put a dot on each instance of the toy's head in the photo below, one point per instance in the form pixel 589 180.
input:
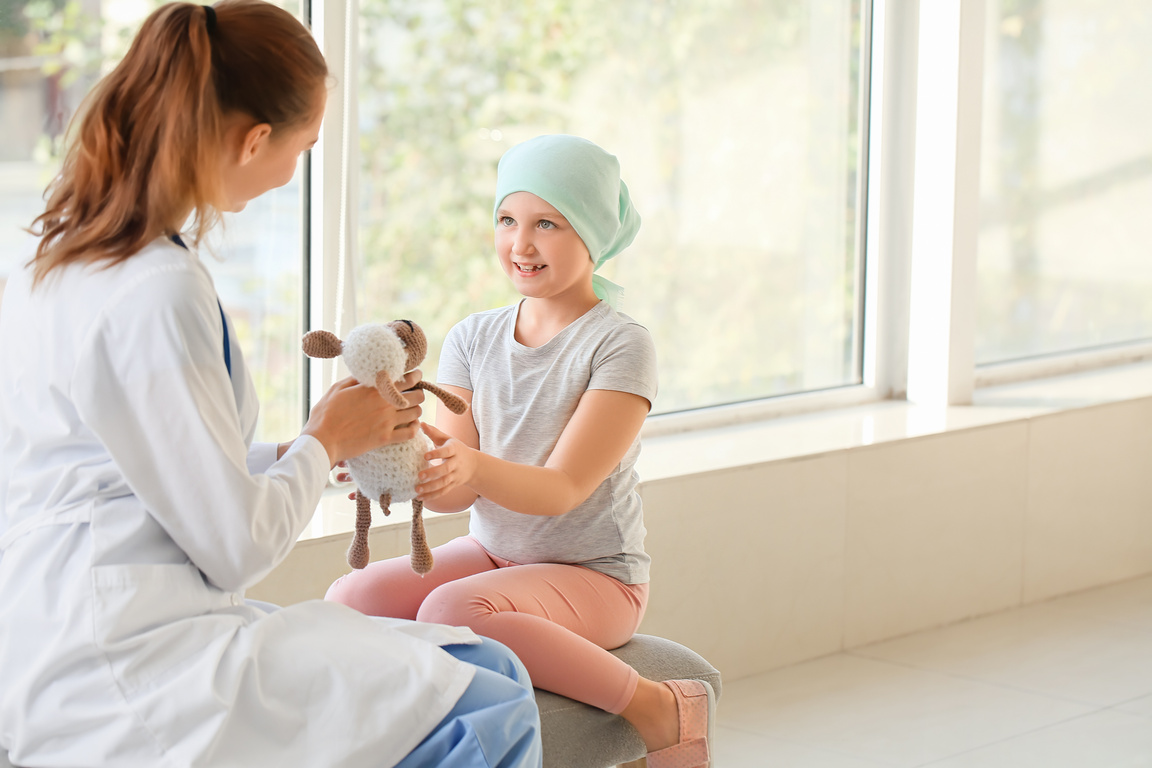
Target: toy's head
pixel 413 339
pixel 375 353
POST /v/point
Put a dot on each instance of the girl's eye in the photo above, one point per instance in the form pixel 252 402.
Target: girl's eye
pixel 507 221
pixel 545 224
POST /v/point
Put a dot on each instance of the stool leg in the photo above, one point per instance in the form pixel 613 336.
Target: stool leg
pixel 641 763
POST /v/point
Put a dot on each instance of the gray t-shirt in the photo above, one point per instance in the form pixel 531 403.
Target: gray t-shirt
pixel 522 398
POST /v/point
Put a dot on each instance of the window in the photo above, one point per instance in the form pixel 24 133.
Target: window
pixel 741 127
pixel 1066 178
pixel 51 53
pixel 738 127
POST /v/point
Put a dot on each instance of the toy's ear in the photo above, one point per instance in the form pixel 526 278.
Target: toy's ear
pixel 454 403
pixel 387 389
pixel 412 336
pixel 322 344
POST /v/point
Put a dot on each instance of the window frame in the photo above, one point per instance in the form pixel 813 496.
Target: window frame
pixel 916 236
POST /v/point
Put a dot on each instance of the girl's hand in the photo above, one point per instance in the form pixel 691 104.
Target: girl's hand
pixel 456 467
pixel 343 477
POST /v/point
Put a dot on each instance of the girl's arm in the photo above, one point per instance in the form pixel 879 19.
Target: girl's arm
pixel 594 441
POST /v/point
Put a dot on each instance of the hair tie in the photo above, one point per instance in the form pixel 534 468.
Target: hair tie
pixel 210 20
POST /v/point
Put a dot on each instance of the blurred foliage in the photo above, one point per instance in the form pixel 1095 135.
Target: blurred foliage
pixel 446 87
pixel 13 27
pixel 69 35
pixel 1067 177
pixel 78 44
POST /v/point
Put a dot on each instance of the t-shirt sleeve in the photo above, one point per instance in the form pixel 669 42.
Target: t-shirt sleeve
pixel 454 369
pixel 626 362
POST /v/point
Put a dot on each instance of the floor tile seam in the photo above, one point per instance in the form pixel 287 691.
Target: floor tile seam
pixel 1117 707
pixel 1136 626
pixel 814 746
pixel 1135 631
pixel 1027 613
pixel 1135 617
pixel 1024 606
pixel 1014 737
pixel 981 681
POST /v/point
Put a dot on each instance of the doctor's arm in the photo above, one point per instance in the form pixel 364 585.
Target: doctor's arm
pixel 600 432
pixel 156 393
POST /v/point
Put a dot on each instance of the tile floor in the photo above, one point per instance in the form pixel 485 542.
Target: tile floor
pixel 1065 683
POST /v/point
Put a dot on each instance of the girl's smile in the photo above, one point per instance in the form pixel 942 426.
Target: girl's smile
pixel 541 252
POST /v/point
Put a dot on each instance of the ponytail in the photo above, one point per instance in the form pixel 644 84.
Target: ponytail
pixel 147 144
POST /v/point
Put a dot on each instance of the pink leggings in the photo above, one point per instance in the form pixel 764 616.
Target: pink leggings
pixel 558 619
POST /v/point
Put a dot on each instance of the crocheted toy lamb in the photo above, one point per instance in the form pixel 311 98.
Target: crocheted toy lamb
pixel 380 354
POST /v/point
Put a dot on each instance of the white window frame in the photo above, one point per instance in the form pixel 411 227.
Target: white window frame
pixel 922 104
pixel 333 192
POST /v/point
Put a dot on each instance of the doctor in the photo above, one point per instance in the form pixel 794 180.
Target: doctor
pixel 134 508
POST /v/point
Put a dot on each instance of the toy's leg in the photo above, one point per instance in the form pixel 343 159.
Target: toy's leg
pixel 421 554
pixel 358 552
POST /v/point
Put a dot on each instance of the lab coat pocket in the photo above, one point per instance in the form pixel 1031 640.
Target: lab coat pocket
pixel 152 620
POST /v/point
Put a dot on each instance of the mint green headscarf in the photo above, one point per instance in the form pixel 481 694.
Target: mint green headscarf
pixel 582 181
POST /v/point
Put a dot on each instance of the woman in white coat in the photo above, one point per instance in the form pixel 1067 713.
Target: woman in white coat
pixel 134 508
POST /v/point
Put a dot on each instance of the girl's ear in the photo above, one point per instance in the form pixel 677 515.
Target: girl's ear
pixel 254 141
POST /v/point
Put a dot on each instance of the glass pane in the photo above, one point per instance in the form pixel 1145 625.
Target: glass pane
pixel 1066 182
pixel 736 125
pixel 51 53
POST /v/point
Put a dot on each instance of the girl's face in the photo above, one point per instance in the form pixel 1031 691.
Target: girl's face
pixel 540 251
pixel 257 160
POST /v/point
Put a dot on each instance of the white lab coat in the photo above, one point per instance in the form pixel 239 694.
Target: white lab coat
pixel 133 515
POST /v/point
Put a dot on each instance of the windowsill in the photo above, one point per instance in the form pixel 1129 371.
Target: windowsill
pixel 792 437
pixel 885 421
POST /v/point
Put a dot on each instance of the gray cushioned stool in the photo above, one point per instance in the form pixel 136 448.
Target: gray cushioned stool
pixel 579 736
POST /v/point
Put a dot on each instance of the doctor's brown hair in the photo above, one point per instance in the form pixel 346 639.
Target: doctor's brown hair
pixel 146 147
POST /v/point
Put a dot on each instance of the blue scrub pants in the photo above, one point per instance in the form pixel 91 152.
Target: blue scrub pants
pixel 495 724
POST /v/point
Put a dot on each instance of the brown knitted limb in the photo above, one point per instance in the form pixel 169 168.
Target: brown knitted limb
pixel 421 555
pixel 358 552
pixel 454 403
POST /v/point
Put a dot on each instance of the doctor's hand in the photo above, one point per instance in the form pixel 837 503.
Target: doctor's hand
pixel 352 418
pixel 456 465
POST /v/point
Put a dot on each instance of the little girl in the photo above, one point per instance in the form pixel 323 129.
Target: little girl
pixel 134 507
pixel 559 386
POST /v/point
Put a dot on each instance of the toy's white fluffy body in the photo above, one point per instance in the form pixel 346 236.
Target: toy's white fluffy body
pixel 392 469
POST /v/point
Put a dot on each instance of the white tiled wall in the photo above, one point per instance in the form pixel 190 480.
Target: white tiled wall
pixel 1089 512
pixel 748 564
pixel 935 530
pixel 763 566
